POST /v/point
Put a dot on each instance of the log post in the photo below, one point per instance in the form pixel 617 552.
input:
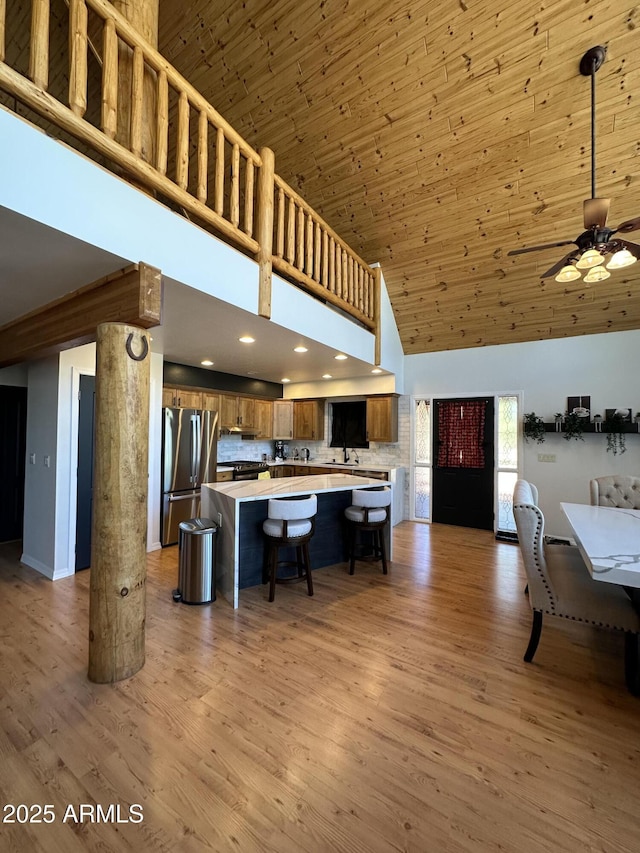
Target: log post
pixel 140 101
pixel 117 604
pixel 377 314
pixel 264 230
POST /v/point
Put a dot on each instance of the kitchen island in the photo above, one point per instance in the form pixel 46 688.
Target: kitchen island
pixel 242 506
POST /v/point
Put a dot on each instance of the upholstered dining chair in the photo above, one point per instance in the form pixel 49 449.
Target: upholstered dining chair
pixel 617 490
pixel 560 584
pixel 289 522
pixel 369 511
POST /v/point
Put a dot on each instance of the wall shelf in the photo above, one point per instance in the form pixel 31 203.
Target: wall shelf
pixel 591 428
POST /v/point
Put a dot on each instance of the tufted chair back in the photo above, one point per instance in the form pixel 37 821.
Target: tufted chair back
pixel 530 526
pixel 559 584
pixel 617 490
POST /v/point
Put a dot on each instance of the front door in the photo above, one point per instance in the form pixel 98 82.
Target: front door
pixel 84 505
pixel 463 457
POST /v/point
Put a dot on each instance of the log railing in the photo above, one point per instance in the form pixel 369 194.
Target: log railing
pixel 173 142
pixel 310 251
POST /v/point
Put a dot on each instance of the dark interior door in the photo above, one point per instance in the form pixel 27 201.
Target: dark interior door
pixel 463 455
pixel 84 504
pixel 13 437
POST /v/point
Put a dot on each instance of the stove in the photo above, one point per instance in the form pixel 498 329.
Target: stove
pixel 247 469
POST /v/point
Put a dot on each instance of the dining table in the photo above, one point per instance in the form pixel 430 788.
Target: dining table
pixel 608 539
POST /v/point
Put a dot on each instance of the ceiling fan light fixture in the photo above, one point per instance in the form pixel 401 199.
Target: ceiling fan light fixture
pixel 620 259
pixel 590 258
pixel 568 273
pixel 598 273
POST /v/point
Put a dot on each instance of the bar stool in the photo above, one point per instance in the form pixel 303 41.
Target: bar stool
pixel 369 512
pixel 290 522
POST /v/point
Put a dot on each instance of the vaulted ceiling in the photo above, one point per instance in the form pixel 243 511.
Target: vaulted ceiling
pixel 436 136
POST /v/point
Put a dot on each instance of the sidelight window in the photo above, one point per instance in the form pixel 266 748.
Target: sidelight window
pixel 421 453
pixel 507 462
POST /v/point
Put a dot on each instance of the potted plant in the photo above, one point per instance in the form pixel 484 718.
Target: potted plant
pixel 597 420
pixel 573 427
pixel 533 428
pixel 614 428
pixel 558 418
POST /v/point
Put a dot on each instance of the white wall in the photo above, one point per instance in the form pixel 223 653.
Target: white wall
pixel 52 428
pixel 547 372
pixel 36 172
pixel 18 374
pixel 39 536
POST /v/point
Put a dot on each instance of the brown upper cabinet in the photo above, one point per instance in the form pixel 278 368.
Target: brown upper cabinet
pixel 236 412
pixel 282 419
pixel 263 418
pixel 308 420
pixel 210 401
pixel 382 419
pixel 181 398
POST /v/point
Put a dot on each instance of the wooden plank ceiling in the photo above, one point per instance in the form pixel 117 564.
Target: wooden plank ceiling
pixel 436 136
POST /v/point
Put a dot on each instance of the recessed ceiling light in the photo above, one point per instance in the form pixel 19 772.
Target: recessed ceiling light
pixel 341 357
pixel 300 349
pixel 247 339
pixel 327 376
pixel 376 370
pixel 206 363
pixel 285 379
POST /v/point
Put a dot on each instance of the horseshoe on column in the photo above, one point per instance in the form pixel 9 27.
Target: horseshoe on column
pixel 145 348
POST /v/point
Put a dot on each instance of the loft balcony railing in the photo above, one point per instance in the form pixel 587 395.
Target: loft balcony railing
pixel 83 68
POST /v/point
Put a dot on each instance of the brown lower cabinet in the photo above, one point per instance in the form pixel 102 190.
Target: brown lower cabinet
pixel 281 470
pixel 304 470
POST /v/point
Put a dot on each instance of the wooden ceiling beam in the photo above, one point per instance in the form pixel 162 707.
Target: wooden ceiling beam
pixel 132 295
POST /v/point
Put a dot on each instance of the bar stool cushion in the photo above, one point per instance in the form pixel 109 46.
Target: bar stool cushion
pixel 295 527
pixel 357 513
pixel 373 500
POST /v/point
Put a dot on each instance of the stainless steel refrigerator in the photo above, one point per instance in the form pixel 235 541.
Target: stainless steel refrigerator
pixel 189 458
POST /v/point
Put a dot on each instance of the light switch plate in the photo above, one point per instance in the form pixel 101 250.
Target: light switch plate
pixel 546 457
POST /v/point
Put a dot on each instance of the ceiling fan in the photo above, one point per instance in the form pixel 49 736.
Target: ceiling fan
pixel 596 240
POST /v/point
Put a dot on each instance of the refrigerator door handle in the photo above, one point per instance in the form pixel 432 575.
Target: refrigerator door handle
pixel 192 449
pixel 197 426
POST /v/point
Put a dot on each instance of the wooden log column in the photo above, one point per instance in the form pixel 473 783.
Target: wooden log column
pixel 264 230
pixel 137 87
pixel 117 607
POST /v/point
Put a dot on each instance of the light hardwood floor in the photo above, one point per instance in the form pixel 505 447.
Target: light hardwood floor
pixel 383 714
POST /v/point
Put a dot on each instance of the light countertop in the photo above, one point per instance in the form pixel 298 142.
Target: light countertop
pixel 256 490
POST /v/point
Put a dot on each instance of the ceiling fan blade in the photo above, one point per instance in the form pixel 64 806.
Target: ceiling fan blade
pixel 629 225
pixel 596 211
pixel 632 247
pixel 537 248
pixel 557 267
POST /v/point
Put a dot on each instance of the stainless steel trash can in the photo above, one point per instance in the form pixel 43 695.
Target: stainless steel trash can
pixel 197 561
